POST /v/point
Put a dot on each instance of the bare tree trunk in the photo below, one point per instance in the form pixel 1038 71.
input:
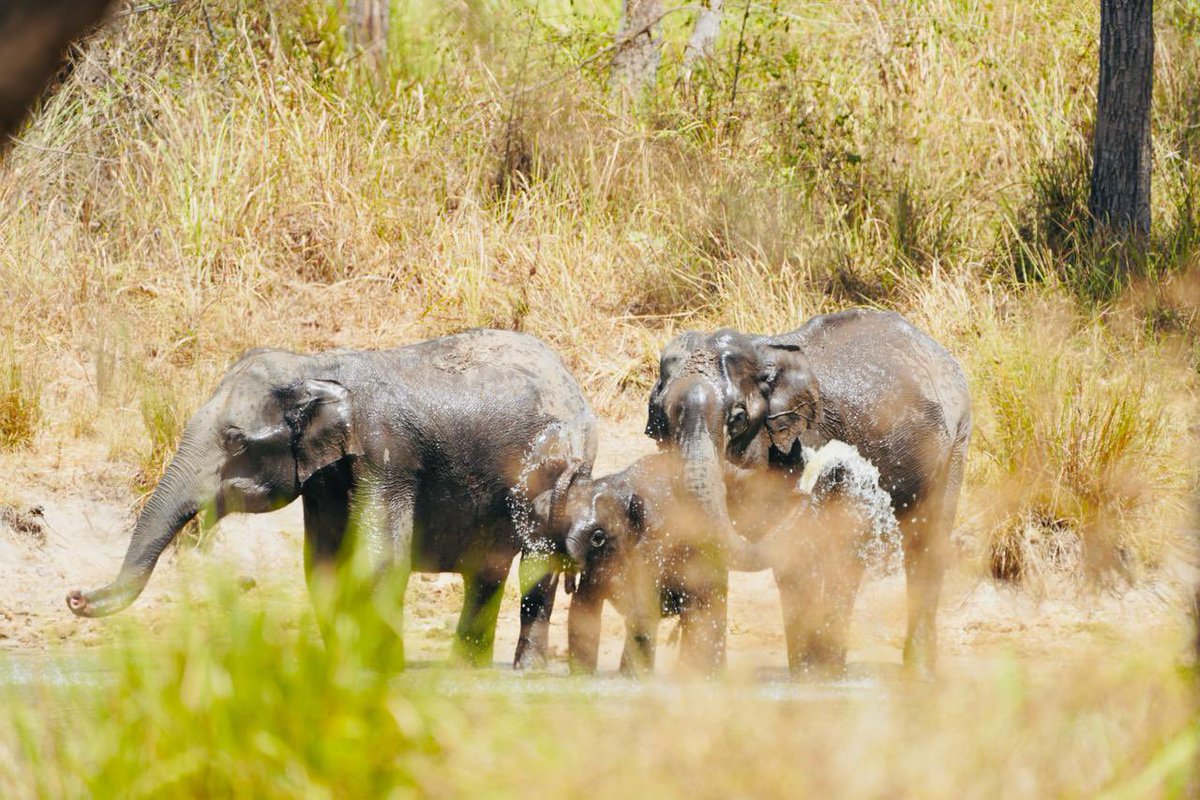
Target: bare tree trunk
pixel 1120 193
pixel 369 30
pixel 34 37
pixel 704 35
pixel 635 63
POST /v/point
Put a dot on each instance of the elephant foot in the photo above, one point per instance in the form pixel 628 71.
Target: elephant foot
pixel 529 656
pixel 470 654
pixel 819 671
pixel 918 663
pixel 819 661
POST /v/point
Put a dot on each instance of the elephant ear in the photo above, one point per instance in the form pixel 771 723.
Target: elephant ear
pixel 557 511
pixel 320 418
pixel 793 397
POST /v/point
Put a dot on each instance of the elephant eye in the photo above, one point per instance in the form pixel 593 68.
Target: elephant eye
pixel 598 538
pixel 233 440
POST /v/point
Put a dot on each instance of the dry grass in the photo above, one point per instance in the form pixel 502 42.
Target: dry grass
pixel 229 697
pixel 20 400
pixel 187 195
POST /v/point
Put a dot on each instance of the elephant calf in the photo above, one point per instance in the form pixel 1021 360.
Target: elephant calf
pixel 634 536
pixel 422 458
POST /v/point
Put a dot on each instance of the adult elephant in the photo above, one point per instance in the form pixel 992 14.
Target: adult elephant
pixel 419 458
pixel 864 377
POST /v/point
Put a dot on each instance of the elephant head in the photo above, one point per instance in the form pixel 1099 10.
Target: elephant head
pixel 731 398
pixel 274 420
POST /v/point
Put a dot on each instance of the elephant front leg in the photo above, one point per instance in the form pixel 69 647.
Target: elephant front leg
pixel 475 637
pixel 382 524
pixel 539 583
pixel 326 501
pixel 641 640
pixel 703 623
pixel 583 630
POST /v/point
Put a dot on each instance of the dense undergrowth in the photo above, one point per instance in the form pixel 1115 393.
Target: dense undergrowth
pixel 211 177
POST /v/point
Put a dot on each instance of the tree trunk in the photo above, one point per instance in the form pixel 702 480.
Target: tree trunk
pixel 1120 192
pixel 635 62
pixel 369 30
pixel 34 37
pixel 704 35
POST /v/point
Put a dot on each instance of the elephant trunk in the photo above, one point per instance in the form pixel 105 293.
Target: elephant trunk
pixel 701 445
pixel 176 499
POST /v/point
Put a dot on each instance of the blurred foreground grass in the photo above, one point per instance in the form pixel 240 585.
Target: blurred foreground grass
pixel 231 698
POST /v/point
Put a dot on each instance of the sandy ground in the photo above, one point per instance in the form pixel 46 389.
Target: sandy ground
pixel 87 509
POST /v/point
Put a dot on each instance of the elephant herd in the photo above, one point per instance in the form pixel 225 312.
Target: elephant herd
pixel 460 453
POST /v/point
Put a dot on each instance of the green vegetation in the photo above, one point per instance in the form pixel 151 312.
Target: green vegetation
pixel 230 698
pixel 221 175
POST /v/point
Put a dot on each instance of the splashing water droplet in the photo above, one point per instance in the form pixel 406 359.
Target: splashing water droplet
pixel 879 545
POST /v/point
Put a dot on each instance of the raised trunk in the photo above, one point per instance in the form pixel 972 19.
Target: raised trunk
pixel 176 499
pixel 635 61
pixel 1120 191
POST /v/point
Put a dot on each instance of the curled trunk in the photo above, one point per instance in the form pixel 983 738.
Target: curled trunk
pixel 175 501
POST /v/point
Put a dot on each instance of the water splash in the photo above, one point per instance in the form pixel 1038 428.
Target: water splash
pixel 837 471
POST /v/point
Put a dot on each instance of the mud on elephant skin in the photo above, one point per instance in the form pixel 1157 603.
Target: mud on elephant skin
pixel 419 458
pixel 864 377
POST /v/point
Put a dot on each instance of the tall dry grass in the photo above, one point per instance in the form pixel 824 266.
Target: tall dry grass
pixel 204 190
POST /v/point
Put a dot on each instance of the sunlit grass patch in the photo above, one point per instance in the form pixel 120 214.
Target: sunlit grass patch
pixel 1076 443
pixel 20 399
pixel 235 695
pixel 230 698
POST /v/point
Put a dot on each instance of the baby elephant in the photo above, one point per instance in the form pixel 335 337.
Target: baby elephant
pixel 638 541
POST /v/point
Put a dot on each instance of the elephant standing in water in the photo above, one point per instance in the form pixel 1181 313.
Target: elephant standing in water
pixel 863 377
pixel 637 539
pixel 419 458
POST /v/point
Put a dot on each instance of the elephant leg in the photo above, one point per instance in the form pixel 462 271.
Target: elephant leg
pixel 326 513
pixel 703 622
pixel 476 635
pixel 924 565
pixel 583 630
pixel 641 640
pixel 926 552
pixel 799 591
pixel 539 583
pixel 381 525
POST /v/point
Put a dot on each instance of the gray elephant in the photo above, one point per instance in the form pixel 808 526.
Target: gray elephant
pixel 419 458
pixel 631 537
pixel 863 377
pixel 634 538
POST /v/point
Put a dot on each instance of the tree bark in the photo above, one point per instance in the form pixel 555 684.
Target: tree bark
pixel 34 37
pixel 1120 191
pixel 704 35
pixel 369 21
pixel 638 45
